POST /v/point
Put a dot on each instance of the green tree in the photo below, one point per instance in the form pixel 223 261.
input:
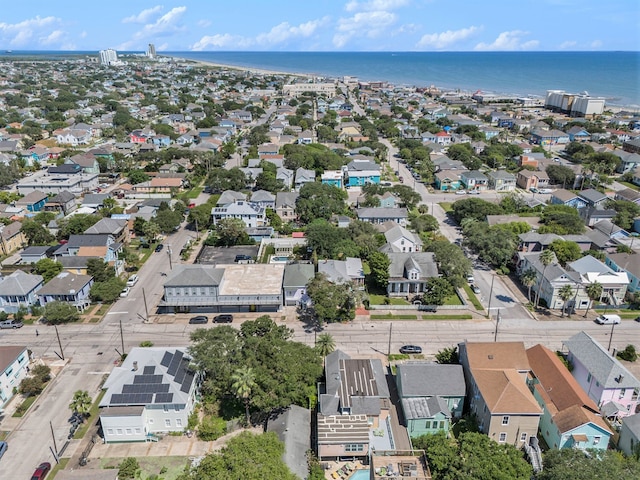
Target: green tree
pixel 626 213
pixel 319 200
pixel 56 313
pixel 150 230
pixel 168 219
pixel 448 356
pixel 528 279
pixel 331 302
pixel 547 257
pixel 570 463
pixel 36 233
pixel 81 403
pixel 47 268
pixel 100 270
pixel 561 220
pixel 379 264
pixel 243 383
pixel 437 291
pixel 200 215
pixel 219 179
pixel 407 195
pixel 76 224
pixel 325 344
pixel 565 294
pixel 128 469
pixel 561 175
pixel 594 292
pixel 474 208
pixel 137 176
pixel 424 223
pixel 231 231
pixel 106 291
pixel 566 251
pixel 629 354
pixel 452 263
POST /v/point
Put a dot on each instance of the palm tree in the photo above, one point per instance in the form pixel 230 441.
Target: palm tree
pixel 547 257
pixel 528 279
pixel 243 382
pixel 565 293
pixel 594 292
pixel 325 345
pixel 81 403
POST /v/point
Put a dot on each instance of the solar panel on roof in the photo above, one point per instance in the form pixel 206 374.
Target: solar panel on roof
pixel 149 370
pixel 138 379
pixel 175 363
pixel 164 398
pixel 166 359
pixel 186 383
pixel 181 372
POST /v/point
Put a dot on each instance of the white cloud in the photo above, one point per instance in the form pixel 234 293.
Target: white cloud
pixel 283 32
pixel 508 41
pixel 444 39
pixel 567 45
pixel 19 34
pixel 54 37
pixel 204 23
pixel 83 34
pixel 370 24
pixel 596 44
pixel 220 41
pixel 354 5
pixel 167 25
pixel 144 16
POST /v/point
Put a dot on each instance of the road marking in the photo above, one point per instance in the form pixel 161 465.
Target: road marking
pixel 98 373
pixel 112 313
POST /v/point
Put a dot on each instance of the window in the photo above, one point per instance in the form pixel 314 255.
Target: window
pixel 589 378
pixel 427 424
pixel 523 437
pixel 119 431
pixel 354 447
pixel 596 439
pixel 176 408
pixel 138 431
pixel 503 437
pixel 505 420
pixel 166 408
pixel 623 392
pixel 178 422
pixel 441 424
pixel 167 422
pixel 128 431
pixel 151 421
pixel 110 431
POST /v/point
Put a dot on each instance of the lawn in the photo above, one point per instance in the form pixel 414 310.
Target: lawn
pixel 459 316
pixel 472 297
pixel 393 317
pixel 24 406
pixel 375 299
pixel 630 185
pixel 446 206
pixel 57 467
pixel 194 192
pixel 452 300
pixel 153 465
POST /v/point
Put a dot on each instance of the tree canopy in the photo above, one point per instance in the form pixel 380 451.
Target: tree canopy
pixel 561 220
pixel 331 302
pixel 475 208
pixel 319 200
pixel 573 464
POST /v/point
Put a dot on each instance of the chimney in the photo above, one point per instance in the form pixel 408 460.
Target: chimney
pixel 135 366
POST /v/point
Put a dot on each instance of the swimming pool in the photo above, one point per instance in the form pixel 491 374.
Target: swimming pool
pixel 279 259
pixel 362 474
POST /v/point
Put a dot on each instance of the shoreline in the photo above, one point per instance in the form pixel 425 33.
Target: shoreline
pixel 260 71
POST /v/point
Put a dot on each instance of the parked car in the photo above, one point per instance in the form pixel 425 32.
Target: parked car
pixel 198 320
pixel 159 247
pixel 125 291
pixel 3 448
pixel 608 319
pixel 545 190
pixel 11 324
pixel 410 349
pixel 470 278
pixel 41 471
pixel 475 288
pixel 226 318
pixel 242 258
pixel 461 192
pixel 133 279
pixel 474 192
pixel 534 190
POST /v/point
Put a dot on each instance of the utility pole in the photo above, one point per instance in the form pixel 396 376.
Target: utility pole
pixel 146 309
pixel 389 347
pixel 55 446
pixel 197 233
pixel 611 336
pixel 61 351
pixel 169 254
pixel 490 296
pixel 121 337
pixel 495 335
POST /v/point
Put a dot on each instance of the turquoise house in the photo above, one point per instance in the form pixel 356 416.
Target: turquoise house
pixel 431 395
pixel 625 262
pixel 570 419
pixel 332 177
pixel 447 180
pixel 359 172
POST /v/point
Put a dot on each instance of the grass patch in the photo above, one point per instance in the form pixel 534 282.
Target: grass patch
pixel 460 316
pixel 24 406
pixel 398 356
pixel 630 185
pixel 172 467
pixel 375 299
pixel 104 308
pixel 394 317
pixel 452 300
pixel 3 435
pixel 94 319
pixel 446 206
pixel 366 269
pixel 629 316
pixel 57 467
pixel 472 297
pixel 194 192
pixel 93 413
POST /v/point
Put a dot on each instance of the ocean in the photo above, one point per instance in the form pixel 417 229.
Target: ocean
pixel 613 75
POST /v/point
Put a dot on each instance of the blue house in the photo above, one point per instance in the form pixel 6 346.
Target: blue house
pixel 33 202
pixel 578 134
pixel 565 197
pixel 431 396
pixel 332 177
pixel 447 180
pixel 570 419
pixel 161 140
pixel 360 172
pixel 625 262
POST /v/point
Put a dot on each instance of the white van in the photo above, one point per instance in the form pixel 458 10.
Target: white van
pixel 133 279
pixel 608 319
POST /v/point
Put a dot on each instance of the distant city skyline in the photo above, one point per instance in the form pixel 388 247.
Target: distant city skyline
pixel 330 25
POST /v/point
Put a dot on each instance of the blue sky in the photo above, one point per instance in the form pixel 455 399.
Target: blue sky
pixel 323 25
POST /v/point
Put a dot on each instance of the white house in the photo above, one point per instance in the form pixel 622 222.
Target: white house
pixel 252 214
pixel 13 368
pixel 399 239
pixel 154 391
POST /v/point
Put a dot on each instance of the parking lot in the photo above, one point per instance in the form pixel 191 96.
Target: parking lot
pixel 225 255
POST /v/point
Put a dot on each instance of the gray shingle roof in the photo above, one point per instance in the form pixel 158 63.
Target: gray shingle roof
pixel 19 283
pixel 297 274
pixel 425 262
pixel 425 379
pixel 194 276
pixel 607 370
pixel 420 407
pixel 293 428
pixel 64 283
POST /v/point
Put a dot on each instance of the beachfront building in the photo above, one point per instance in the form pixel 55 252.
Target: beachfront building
pixel 295 89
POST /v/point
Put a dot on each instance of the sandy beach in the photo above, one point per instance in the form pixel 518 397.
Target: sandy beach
pixel 258 71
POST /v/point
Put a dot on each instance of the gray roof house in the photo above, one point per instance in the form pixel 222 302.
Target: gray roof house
pixel 353 408
pixel 252 214
pixel 154 391
pixel 19 289
pixel 230 196
pixel 474 180
pixel 593 197
pixel 343 271
pixel 430 391
pixel 293 427
pixel 285 175
pixel 399 239
pixel 67 287
pixel 286 205
pixel 296 278
pixel 95 200
pixel 34 253
pixel 502 181
pixel 629 440
pixel 64 202
pixel 304 176
pixel 410 272
pixel 264 198
pixel 607 382
pixel 381 215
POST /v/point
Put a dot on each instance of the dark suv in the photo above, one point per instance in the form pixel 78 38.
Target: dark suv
pixel 242 258
pixel 223 319
pixel 200 319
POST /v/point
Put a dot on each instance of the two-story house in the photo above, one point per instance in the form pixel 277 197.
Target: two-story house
pixel 153 391
pixel 431 395
pixel 361 172
pixel 296 278
pixel 409 273
pixel 63 202
pixel 502 181
pixel 302 177
pixel 474 180
pixel 33 201
pixel 528 179
pixel 628 263
pixel 14 367
pixel 19 290
pixel 252 214
pixel 353 408
pixel 286 205
pixel 570 419
pixel 69 288
pixel 11 238
pixel 343 271
pixel 399 239
pixel 496 375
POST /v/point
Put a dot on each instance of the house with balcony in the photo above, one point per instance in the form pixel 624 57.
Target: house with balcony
pixel 604 379
pixel 251 287
pixel 153 392
pixel 409 273
pixel 69 288
pixel 296 278
pixel 360 172
pixel 496 377
pixel 570 419
pixel 578 134
pixel 448 180
pixel 528 179
pixel 62 203
pixel 549 137
pixel 565 197
pixel 431 395
pixel 252 214
pixel 332 177
pixel 614 284
pixel 14 367
pixel 264 199
pixel 354 408
pixel 19 289
pixel 116 228
pixel 474 180
pixel 628 263
pixel 501 181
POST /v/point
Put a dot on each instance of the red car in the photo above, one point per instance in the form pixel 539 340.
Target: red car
pixel 41 471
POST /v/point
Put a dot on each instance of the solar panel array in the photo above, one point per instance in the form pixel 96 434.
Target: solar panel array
pixel 146 388
pixel 131 398
pixel 149 370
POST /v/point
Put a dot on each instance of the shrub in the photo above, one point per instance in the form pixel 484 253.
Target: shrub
pixel 146 343
pixel 629 354
pixel 129 468
pixel 212 428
